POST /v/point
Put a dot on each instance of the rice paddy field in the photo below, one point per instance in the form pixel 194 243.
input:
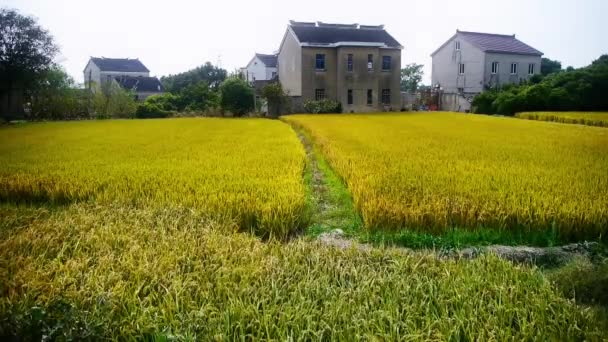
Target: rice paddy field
pixel 93 272
pixel 433 172
pixel 590 119
pixel 248 171
pixel 132 229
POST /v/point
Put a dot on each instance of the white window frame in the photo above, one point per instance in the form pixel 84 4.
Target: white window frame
pixel 457 45
pixel 531 69
pixel 460 68
pixel 513 68
pixel 494 69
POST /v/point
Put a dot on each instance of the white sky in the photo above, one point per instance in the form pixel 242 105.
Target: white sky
pixel 177 35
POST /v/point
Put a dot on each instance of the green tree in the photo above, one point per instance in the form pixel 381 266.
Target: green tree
pixel 209 73
pixel 548 66
pixel 236 96
pixel 56 97
pixel 411 76
pixel 110 100
pixel 26 52
pixel 276 97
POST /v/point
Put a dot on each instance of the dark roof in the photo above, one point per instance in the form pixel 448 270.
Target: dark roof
pixel 499 43
pixel 269 60
pixel 119 64
pixel 140 83
pixel 326 34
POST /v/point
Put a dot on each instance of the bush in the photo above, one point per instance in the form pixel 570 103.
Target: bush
pixel 582 89
pixel 148 110
pixel 323 106
pixel 484 102
pixel 236 96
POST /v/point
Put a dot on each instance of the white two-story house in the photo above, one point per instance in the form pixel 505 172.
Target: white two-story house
pixel 470 62
pixel 130 74
pixel 261 68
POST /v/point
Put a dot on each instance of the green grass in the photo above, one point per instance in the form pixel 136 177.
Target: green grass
pixel 116 272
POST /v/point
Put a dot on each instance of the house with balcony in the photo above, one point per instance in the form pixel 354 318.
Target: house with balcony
pixel 470 62
pixel 356 65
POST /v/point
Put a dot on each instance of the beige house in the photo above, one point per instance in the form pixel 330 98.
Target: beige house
pixel 357 65
pixel 131 74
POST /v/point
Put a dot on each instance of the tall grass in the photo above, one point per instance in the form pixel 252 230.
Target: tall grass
pixel 589 119
pixel 435 172
pixel 96 272
pixel 245 170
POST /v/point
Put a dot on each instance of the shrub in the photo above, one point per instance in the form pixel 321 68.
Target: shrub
pixel 484 102
pixel 148 110
pixel 323 106
pixel 236 96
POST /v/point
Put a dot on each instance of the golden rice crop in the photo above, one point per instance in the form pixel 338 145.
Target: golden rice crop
pixel 248 170
pixel 93 272
pixel 434 171
pixel 589 119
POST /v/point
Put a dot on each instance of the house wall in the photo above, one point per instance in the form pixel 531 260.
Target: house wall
pixel 445 67
pixel 91 73
pixel 105 75
pixel 361 79
pixel 313 79
pixel 504 68
pixel 290 66
pixel 257 71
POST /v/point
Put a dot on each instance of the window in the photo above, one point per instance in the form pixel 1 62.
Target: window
pixel 386 62
pixel 320 62
pixel 461 90
pixel 494 68
pixel 457 45
pixel 274 74
pixel 369 97
pixel 349 62
pixel 461 68
pixel 350 97
pixel 386 96
pixel 370 62
pixel 531 69
pixel 513 68
pixel 319 94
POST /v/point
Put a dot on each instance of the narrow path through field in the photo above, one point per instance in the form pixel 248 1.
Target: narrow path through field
pixel 335 222
pixel 330 202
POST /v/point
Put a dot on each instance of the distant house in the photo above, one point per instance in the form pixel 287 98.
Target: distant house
pixel 470 62
pixel 130 74
pixel 261 68
pixel 357 65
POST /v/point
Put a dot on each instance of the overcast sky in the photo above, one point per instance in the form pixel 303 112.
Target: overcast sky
pixel 177 35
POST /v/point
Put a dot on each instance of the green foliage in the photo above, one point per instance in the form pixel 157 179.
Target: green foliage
pixel 55 97
pixel 323 106
pixel 276 97
pixel 149 110
pixel 208 73
pixel 236 96
pixel 548 66
pixel 165 101
pixel 26 53
pixel 197 97
pixel 411 76
pixel 578 90
pixel 583 280
pixel 110 100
